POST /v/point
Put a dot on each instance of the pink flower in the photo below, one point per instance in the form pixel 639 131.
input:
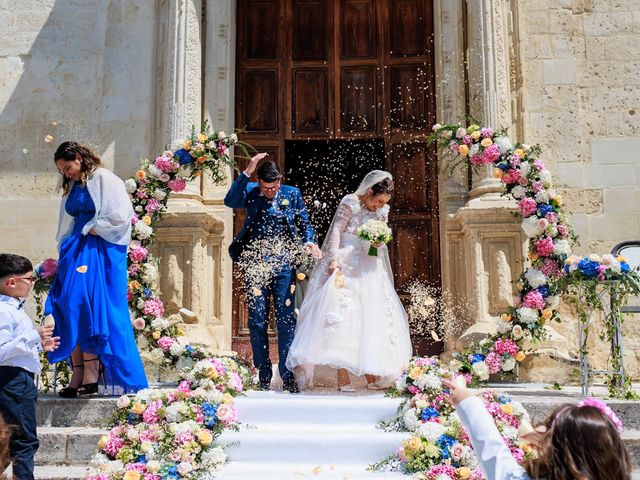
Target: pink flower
pixel 134 270
pixel 563 230
pixel 113 446
pixel 544 246
pixel 486 132
pixel 184 385
pixel 151 476
pixel 511 176
pixel 165 164
pixel 515 160
pixel 165 343
pixel 150 415
pixel 442 469
pixel 467 139
pixel 507 346
pixel 184 437
pixel 141 194
pixel 549 266
pixel 453 146
pixel 537 186
pixel 134 220
pixel 601 271
pixel 412 389
pixel 543 223
pixel 552 217
pixel 153 307
pixel 153 205
pixel 604 408
pixel 399 452
pixel 491 154
pixel 527 206
pixel 476 159
pixel 47 269
pixel 138 254
pixel 177 184
pixel 494 362
pixel 227 414
pixel 523 182
pixel 534 299
pixel 139 323
pixel 539 164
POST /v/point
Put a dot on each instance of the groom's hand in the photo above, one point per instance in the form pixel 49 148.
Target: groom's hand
pixel 314 250
pixel 253 163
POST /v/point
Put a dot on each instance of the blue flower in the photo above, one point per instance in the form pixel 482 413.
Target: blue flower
pixel 171 473
pixel 148 292
pixel 142 459
pixel 503 166
pixel 132 418
pixel 624 267
pixel 445 442
pixel 183 156
pixel 544 208
pixel 504 399
pixel 189 349
pixel 209 409
pixel 588 268
pixel 477 357
pixel 544 290
pixel 429 413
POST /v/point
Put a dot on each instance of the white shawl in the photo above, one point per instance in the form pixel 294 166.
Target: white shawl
pixel 112 220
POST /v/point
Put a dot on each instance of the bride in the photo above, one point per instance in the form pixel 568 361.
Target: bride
pixel 351 318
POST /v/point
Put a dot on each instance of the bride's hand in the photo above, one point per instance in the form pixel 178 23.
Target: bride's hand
pixel 333 266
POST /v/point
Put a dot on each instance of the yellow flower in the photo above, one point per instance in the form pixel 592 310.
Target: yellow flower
pixel 138 408
pixel 558 199
pixel 202 137
pixel 187 145
pixel 620 258
pixel 140 174
pixel 413 444
pixel 463 150
pixel 475 135
pixel 146 220
pixel 473 128
pixel 464 473
pixel 156 334
pixel 547 313
pixel 180 332
pixel 497 173
pixel 205 437
pixel 506 317
pixel 486 142
pixel 104 439
pixel 131 475
pixel 227 398
pixel 519 152
pixel 533 256
pixel 134 285
pixel 520 356
pixel 415 372
pixel 301 276
pixel 507 408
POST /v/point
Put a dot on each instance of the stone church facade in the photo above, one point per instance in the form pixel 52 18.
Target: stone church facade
pixel 131 77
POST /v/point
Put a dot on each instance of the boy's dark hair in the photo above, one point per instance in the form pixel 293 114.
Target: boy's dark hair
pixel 580 442
pixel 385 186
pixel 268 171
pixel 14 265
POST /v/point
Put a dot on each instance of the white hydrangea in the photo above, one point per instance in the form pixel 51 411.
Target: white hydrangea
pixel 503 327
pixel 160 323
pixel 159 194
pixel 518 191
pixel 213 457
pixel 143 230
pixel 428 381
pixel 545 177
pixel 175 411
pixel 562 247
pixel 154 171
pixel 474 149
pixel 542 197
pixel 401 383
pixel 504 144
pixel 130 185
pixel 527 315
pixel 509 364
pixel 481 370
pixel 410 420
pixel 176 349
pixel 525 169
pixel 535 277
pixel 552 301
pixel 150 274
pixel 431 431
pixel 530 226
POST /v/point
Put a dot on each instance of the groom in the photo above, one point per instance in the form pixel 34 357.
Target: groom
pixel 274 211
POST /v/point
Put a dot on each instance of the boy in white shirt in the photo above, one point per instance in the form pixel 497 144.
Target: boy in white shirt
pixel 20 343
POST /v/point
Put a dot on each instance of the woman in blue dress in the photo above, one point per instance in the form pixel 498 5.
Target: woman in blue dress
pixel 88 299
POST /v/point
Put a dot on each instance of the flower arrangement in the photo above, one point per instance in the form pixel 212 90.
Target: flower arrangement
pixel 421 375
pixel 375 231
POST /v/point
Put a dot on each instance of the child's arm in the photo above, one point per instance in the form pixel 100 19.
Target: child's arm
pixel 12 345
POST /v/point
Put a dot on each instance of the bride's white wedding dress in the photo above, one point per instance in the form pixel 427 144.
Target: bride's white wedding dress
pixel 352 318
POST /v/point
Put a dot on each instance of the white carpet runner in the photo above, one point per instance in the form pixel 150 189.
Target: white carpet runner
pixel 312 435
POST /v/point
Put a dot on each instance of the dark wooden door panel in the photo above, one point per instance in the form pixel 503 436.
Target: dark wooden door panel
pixel 358 99
pixel 261 29
pixel 408 35
pixel 261 100
pixel 409 97
pixel 412 258
pixel 310 100
pixel 358 29
pixel 310 32
pixel 413 166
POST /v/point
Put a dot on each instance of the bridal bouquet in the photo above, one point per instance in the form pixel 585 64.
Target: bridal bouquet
pixel 375 231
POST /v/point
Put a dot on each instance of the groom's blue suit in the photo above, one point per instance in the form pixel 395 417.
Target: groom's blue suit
pixel 284 217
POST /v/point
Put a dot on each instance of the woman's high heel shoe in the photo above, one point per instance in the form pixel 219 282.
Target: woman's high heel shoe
pixel 71 392
pixel 92 388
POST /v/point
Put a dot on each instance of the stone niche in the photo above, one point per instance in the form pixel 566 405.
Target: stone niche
pixel 189 246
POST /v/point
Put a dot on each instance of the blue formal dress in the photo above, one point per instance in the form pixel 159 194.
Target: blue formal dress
pixel 88 299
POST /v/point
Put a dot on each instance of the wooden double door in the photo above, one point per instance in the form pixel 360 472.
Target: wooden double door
pixel 336 70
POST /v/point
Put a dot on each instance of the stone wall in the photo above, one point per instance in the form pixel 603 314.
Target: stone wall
pixel 580 62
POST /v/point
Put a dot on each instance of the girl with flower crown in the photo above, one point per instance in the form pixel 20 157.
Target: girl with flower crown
pixel 576 442
pixel 88 298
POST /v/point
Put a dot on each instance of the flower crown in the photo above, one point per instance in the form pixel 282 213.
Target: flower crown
pixel 604 408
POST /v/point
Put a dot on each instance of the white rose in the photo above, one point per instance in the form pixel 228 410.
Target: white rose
pixel 436 127
pixel 509 364
pixel 130 185
pixel 214 457
pixel 527 315
pixel 185 171
pixel 176 349
pixel 431 431
pixel 184 468
pixel 153 466
pixel 504 144
pixel 142 230
pixel 535 277
pixel 481 371
pixel 461 132
pixel 594 257
pixel 517 332
pixel 233 138
pixel 518 191
pixel 123 402
pixel 221 135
